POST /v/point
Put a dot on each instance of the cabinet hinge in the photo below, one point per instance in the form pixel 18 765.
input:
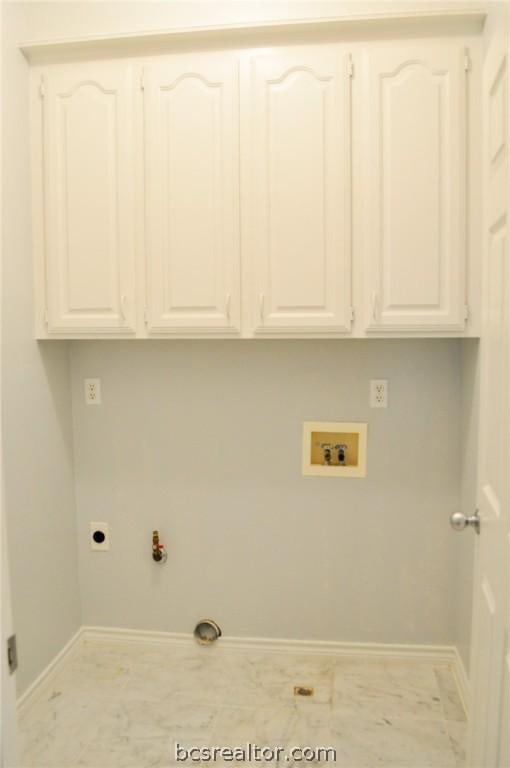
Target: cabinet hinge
pixel 42 89
pixel 467 62
pixel 146 316
pixel 142 80
pixel 46 320
pixel 353 314
pixel 350 67
pixel 466 312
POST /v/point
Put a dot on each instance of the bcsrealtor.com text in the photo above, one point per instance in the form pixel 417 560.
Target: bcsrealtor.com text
pixel 254 753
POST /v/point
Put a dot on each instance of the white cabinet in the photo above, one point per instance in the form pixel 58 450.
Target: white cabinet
pixel 295 191
pixel 296 204
pixel 89 239
pixel 414 183
pixel 192 193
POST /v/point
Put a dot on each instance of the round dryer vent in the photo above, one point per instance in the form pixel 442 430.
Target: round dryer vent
pixel 206 632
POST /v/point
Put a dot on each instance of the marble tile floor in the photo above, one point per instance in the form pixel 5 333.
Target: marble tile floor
pixel 125 705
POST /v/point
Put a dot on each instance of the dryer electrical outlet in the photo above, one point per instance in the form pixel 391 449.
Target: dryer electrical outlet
pixel 99 537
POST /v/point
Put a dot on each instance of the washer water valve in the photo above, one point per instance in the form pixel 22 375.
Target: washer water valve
pixel 327 453
pixel 159 553
pixel 341 449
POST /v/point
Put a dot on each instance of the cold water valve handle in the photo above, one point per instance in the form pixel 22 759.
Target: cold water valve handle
pixel 159 553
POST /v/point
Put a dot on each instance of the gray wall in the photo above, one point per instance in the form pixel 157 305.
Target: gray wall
pixel 203 441
pixel 37 442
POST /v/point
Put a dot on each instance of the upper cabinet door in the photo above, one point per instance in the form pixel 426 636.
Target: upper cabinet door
pixel 89 199
pixel 296 204
pixel 192 190
pixel 414 187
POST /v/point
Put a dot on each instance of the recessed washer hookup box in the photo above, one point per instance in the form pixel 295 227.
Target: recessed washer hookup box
pixel 334 449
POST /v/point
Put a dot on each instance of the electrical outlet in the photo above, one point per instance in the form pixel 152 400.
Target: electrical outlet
pixel 99 537
pixel 379 393
pixel 93 391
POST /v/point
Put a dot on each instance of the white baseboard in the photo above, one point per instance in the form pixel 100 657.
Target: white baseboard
pixel 439 654
pixel 462 679
pixel 31 692
pixel 436 653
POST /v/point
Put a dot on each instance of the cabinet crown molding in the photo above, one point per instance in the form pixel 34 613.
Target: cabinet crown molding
pixel 463 20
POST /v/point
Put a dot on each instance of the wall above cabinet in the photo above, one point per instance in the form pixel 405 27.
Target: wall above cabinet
pixel 327 189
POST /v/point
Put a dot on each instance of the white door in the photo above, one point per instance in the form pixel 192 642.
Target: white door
pixel 490 716
pixel 414 190
pixel 192 190
pixel 89 216
pixel 296 198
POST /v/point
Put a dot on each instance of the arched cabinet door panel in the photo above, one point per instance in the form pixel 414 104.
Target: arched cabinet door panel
pixel 414 187
pixel 296 203
pixel 192 189
pixel 89 216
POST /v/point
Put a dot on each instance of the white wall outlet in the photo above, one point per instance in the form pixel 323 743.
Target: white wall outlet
pixel 99 537
pixel 379 393
pixel 93 391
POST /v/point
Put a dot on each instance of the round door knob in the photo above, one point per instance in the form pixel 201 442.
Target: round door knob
pixel 459 521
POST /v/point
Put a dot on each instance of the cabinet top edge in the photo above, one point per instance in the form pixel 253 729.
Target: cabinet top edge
pixel 345 28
